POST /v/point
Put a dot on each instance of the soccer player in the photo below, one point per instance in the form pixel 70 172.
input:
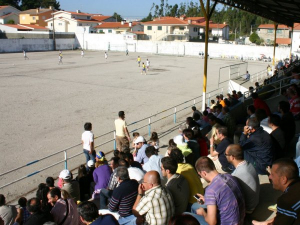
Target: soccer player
pixel 60 58
pixel 144 69
pixel 105 55
pixel 139 60
pixel 82 53
pixel 147 64
pixel 25 56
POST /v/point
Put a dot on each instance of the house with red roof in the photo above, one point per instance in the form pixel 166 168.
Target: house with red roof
pixel 119 27
pixel 283 34
pixel 66 21
pixel 9 14
pixel 182 29
pixel 36 16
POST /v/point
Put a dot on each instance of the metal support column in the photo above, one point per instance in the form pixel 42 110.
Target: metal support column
pixel 273 63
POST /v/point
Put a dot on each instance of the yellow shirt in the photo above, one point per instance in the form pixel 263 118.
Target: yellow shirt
pixel 139 59
pixel 120 127
pixel 190 174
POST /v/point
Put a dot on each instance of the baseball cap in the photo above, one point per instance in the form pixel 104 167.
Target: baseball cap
pixel 90 163
pixel 65 174
pixel 139 139
pixel 100 155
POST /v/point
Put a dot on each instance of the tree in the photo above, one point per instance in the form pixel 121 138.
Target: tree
pixel 10 22
pixel 148 18
pixel 254 37
pixel 33 4
pixel 117 17
pixel 14 3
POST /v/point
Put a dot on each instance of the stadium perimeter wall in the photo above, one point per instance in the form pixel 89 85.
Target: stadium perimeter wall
pixel 120 42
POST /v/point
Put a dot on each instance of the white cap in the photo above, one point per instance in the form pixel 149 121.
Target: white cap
pixel 139 139
pixel 90 163
pixel 65 174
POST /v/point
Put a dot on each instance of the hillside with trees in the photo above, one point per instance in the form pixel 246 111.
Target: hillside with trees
pixel 31 4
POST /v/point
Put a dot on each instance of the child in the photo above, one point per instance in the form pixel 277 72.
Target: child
pixel 154 140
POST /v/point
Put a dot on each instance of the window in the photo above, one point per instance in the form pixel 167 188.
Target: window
pixel 159 28
pixel 195 29
pixel 23 17
pixel 279 31
pixel 181 28
pixel 51 24
pixel 33 17
pixel 149 27
pixel 80 24
pixel 109 31
pixel 59 24
pixel 44 17
pixel 270 31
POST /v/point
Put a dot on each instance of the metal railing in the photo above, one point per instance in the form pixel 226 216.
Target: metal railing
pixel 259 76
pixel 174 110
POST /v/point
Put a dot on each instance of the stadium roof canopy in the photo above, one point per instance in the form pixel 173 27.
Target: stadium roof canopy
pixel 280 11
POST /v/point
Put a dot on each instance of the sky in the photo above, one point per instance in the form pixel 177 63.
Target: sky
pixel 129 9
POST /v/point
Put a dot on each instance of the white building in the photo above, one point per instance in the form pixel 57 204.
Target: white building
pixel 119 27
pixel 9 13
pixel 65 21
pixel 296 39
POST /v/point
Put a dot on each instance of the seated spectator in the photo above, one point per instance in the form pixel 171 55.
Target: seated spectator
pixel 285 178
pixel 221 194
pixel 101 174
pixel 246 175
pixel 294 101
pixel 240 96
pixel 257 145
pixel 23 210
pixel 41 194
pixel 229 122
pixel 151 193
pixel 83 180
pixel 219 112
pixel 64 211
pixel 154 140
pixel 197 119
pixel 69 185
pixel 129 158
pixel 214 125
pixel 50 182
pixel 205 117
pixel 217 154
pixel 8 213
pixel 260 104
pixel 89 215
pixel 201 142
pixel 287 125
pixel 124 196
pixel 91 183
pixel 134 172
pixel 106 193
pixel 141 145
pixel 191 123
pixel 36 215
pixel 189 138
pixel 186 151
pixel 212 104
pixel 257 87
pixel 153 162
pixel 277 136
pixel 251 111
pixel 183 219
pixel 189 173
pixel 195 111
pixel 222 103
pixel 176 184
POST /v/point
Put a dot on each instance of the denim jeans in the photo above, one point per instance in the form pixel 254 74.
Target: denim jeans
pixel 194 208
pixel 88 157
pixel 129 220
pixel 105 196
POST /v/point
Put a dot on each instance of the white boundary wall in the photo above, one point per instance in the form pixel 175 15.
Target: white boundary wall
pixel 17 45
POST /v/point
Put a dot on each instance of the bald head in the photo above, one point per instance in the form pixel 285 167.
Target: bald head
pixel 236 151
pixel 152 177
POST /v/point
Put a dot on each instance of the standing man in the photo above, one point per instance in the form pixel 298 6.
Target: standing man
pixel 105 55
pixel 127 52
pixel 247 76
pixel 154 203
pixel 147 64
pixel 139 61
pixel 25 56
pixel 122 134
pixel 285 178
pixel 60 58
pixel 223 193
pixel 87 140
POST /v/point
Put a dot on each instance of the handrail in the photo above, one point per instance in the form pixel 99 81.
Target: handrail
pixel 103 143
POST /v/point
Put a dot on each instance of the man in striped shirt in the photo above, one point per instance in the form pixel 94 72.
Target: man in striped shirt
pixel 154 204
pixel 124 196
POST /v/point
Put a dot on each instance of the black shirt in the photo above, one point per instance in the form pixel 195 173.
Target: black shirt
pixel 221 148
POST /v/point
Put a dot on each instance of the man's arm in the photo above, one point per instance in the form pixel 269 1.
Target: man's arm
pixel 268 222
pixel 113 205
pixel 140 219
pixel 210 216
pixel 127 134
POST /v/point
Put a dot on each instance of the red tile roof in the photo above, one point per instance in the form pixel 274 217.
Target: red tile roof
pixel 79 14
pixel 34 26
pixel 4 6
pixel 35 11
pixel 138 32
pixel 215 25
pixel 283 41
pixel 167 21
pixel 25 27
pixel 296 26
pixel 100 17
pixel 86 21
pixel 271 26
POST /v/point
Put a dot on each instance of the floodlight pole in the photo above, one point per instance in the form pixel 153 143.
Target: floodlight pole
pixel 207 15
pixel 273 63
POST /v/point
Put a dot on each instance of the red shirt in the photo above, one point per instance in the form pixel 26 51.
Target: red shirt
pixel 295 105
pixel 260 104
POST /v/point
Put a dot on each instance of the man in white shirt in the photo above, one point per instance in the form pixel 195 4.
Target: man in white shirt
pixel 154 162
pixel 122 134
pixel 87 139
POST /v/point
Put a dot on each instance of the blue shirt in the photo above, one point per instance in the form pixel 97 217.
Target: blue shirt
pixel 141 155
pixel 104 220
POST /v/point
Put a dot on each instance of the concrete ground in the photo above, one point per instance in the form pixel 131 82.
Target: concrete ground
pixel 44 105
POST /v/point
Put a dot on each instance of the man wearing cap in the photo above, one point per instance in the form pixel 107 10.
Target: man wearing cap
pixel 69 185
pixel 122 134
pixel 141 146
